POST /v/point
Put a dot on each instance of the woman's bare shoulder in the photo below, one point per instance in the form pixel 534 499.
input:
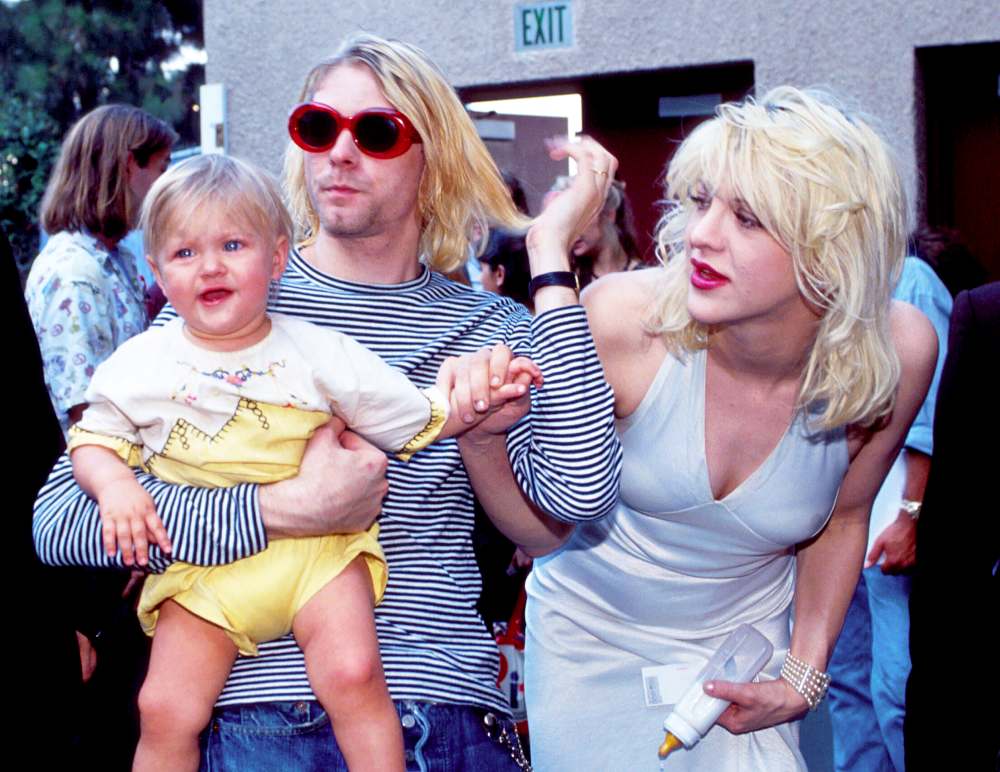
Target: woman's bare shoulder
pixel 617 305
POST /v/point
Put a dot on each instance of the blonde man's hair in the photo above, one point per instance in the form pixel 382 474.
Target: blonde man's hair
pixel 88 188
pixel 236 188
pixel 826 187
pixel 461 191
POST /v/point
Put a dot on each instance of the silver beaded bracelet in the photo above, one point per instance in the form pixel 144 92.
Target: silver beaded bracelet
pixel 806 680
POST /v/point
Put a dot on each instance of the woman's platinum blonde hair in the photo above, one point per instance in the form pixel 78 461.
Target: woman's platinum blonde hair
pixel 461 192
pixel 230 186
pixel 826 187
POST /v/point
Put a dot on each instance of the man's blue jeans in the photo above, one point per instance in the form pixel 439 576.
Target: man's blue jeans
pixel 869 667
pixel 296 736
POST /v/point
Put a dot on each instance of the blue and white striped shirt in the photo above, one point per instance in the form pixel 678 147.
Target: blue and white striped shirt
pixel 435 648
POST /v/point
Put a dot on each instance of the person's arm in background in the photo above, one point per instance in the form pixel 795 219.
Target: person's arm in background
pixel 897 543
pixel 55 657
pixel 74 335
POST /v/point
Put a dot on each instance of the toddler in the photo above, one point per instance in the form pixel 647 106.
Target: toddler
pixel 224 394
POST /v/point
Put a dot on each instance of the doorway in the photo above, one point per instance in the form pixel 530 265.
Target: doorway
pixel 641 117
pixel 958 141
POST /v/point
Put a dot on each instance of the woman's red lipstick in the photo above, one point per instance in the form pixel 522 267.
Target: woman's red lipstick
pixel 703 277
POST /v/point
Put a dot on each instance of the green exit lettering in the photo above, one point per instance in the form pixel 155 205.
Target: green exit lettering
pixel 544 26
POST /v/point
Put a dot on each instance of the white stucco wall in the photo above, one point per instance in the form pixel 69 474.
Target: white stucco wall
pixel 863 49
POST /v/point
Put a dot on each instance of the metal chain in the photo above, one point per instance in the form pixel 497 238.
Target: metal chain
pixel 506 739
pixel 514 746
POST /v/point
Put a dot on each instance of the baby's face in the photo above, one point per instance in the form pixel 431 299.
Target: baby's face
pixel 216 272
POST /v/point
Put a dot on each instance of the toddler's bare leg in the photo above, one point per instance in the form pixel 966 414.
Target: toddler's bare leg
pixel 336 630
pixel 188 667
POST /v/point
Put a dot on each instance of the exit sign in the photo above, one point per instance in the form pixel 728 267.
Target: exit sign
pixel 543 25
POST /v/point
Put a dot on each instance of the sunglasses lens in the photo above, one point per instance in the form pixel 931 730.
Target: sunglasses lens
pixel 317 128
pixel 377 133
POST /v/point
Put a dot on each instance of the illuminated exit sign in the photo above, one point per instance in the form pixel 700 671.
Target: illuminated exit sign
pixel 543 25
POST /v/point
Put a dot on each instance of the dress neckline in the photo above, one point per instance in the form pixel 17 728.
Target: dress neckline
pixel 700 384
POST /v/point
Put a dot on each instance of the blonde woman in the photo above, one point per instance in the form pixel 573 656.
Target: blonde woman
pixel 84 292
pixel 763 383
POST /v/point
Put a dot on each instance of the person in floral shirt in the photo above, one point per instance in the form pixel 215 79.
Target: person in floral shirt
pixel 84 293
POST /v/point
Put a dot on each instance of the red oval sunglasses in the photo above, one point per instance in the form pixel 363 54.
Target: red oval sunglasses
pixel 380 132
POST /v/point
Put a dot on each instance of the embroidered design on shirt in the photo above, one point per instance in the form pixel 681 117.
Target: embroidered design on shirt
pixel 238 378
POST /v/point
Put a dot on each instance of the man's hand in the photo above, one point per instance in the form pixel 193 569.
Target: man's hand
pixel 339 487
pixel 898 542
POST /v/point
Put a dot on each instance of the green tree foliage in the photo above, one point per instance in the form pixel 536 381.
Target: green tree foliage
pixel 29 144
pixel 58 60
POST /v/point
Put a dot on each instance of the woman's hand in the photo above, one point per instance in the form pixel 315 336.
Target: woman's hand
pixel 757 705
pixel 568 213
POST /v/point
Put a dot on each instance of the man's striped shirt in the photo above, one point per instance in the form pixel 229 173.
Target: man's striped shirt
pixel 434 645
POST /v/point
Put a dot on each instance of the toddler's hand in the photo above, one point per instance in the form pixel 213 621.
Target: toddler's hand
pixel 521 371
pixel 129 522
pixel 488 389
pixel 510 399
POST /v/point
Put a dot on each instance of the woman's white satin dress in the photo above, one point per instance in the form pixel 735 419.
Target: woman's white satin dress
pixel 663 580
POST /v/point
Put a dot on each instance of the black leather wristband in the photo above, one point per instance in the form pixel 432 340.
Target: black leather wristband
pixel 553 279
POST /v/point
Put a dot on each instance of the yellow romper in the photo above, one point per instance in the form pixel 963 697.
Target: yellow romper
pixel 198 417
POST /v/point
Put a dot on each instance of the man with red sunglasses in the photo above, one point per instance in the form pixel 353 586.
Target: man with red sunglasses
pixel 386 179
